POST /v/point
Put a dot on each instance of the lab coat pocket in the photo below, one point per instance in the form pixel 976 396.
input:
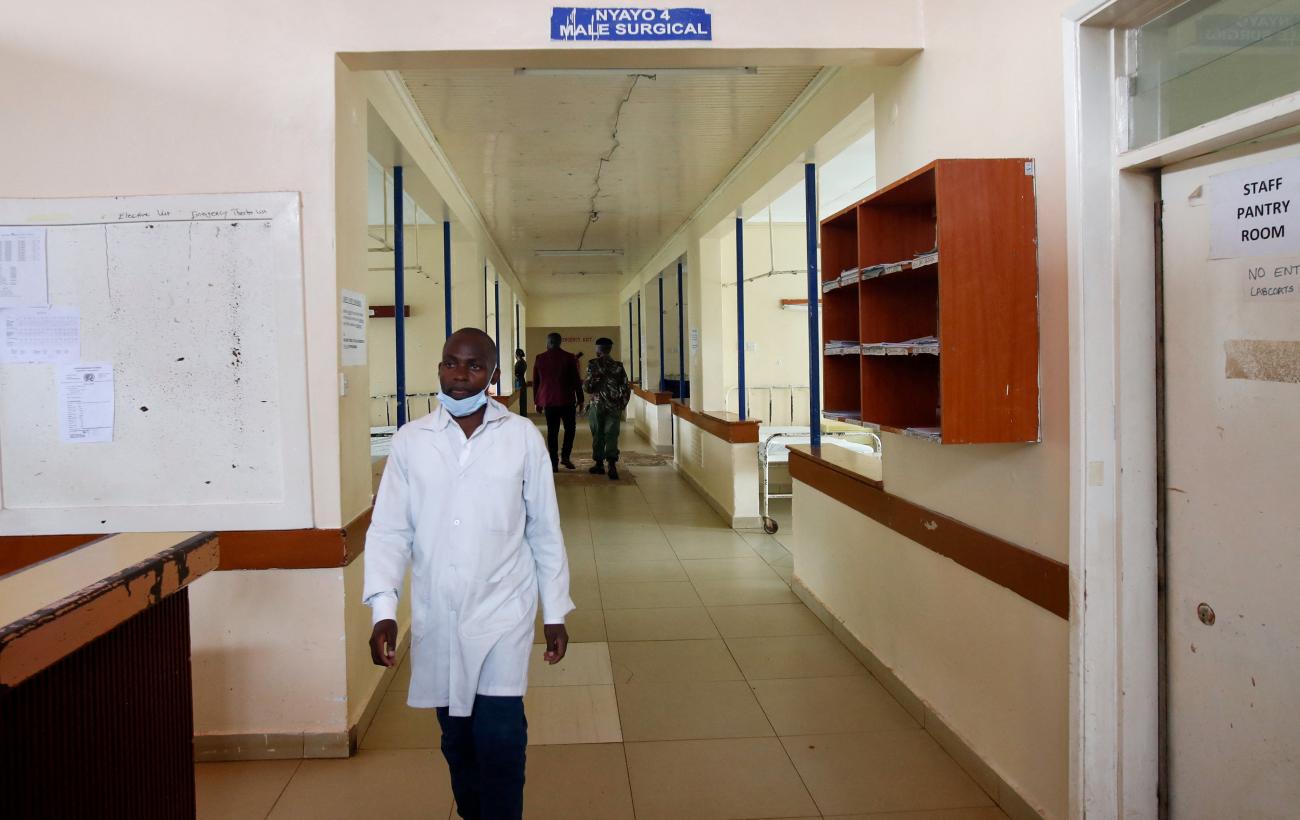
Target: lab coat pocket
pixel 494 607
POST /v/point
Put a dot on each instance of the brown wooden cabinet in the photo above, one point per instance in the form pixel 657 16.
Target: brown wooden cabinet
pixel 930 305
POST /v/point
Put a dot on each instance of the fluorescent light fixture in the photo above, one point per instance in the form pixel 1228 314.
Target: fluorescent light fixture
pixel 587 273
pixel 575 252
pixel 632 72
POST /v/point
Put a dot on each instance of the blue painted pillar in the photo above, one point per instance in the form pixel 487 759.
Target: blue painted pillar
pixel 662 380
pixel 485 299
pixel 446 273
pixel 496 295
pixel 814 294
pixel 399 292
pixel 740 312
pixel 681 334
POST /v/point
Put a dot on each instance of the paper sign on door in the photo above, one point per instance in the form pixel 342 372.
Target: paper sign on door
pixel 1256 211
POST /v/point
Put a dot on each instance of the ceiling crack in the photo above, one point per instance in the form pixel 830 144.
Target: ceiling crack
pixel 593 215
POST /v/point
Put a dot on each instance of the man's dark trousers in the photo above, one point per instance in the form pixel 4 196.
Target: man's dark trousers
pixel 568 414
pixel 485 754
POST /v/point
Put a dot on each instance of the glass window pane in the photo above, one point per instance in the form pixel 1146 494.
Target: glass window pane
pixel 1206 59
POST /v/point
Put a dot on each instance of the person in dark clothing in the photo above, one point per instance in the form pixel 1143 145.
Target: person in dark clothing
pixel 559 397
pixel 607 385
pixel 521 381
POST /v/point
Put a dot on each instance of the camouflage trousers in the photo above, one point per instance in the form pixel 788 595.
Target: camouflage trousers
pixel 604 432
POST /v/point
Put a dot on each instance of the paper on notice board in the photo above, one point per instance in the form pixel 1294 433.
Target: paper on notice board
pixel 353 331
pixel 85 402
pixel 33 335
pixel 22 268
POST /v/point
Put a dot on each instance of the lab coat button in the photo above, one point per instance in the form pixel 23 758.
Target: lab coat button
pixel 456 522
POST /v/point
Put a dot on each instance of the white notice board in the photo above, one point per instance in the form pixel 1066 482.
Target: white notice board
pixel 196 302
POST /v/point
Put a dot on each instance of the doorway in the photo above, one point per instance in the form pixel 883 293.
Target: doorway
pixel 1232 385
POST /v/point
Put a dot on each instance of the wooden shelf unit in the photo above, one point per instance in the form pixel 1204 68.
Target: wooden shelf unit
pixel 980 299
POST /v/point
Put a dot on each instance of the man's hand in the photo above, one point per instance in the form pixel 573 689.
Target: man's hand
pixel 557 641
pixel 383 643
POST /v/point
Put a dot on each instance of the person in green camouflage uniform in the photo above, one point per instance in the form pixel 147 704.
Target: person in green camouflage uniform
pixel 608 393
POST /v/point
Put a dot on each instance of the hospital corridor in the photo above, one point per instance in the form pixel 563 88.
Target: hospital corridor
pixel 696 684
pixel 860 409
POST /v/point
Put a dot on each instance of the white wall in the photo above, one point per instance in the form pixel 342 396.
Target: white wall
pixel 575 310
pixel 727 473
pixel 993 666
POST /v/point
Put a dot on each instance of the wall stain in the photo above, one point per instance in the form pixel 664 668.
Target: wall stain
pixel 1262 360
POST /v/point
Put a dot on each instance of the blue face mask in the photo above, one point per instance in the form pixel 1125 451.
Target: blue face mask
pixel 465 406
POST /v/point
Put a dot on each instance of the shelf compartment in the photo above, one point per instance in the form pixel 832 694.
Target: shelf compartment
pixel 840 391
pixel 840 315
pixel 899 308
pixel 900 391
pixel 839 244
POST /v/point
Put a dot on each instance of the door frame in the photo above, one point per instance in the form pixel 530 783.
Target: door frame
pixel 1111 195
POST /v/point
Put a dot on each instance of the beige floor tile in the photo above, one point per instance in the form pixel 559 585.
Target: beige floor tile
pixel 742 591
pixel 802 656
pixel 811 706
pixel 648 594
pixel 765 545
pixel 980 813
pixel 709 544
pixel 766 620
pixel 577 782
pixel 685 528
pixel 585 592
pixel 583 626
pixel 672 661
pixel 881 771
pixel 584 664
pixel 571 714
pixel 785 570
pixel 715 779
pixel 398 726
pixel 654 551
pixel 241 789
pixel 718 569
pixel 687 623
pixel 610 570
pixel 575 536
pixel 614 534
pixel 685 710
pixel 389 783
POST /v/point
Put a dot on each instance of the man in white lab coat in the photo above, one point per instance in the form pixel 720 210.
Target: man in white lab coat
pixel 467 501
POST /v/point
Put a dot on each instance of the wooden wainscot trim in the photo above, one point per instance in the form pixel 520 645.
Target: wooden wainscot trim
pixel 240 549
pixel 1034 577
pixel 20 551
pixel 653 396
pixel 727 426
pixel 295 549
pixel 37 641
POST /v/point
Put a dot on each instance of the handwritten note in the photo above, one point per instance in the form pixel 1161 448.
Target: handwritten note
pixel 85 402
pixel 33 335
pixel 22 268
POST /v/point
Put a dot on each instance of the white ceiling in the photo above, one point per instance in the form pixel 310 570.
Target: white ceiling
pixel 528 148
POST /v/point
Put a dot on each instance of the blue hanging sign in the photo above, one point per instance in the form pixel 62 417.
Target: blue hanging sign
pixel 619 23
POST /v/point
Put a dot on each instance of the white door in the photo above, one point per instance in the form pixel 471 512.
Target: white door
pixel 1232 352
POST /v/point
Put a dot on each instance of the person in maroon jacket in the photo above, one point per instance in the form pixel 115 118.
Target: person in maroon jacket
pixel 559 396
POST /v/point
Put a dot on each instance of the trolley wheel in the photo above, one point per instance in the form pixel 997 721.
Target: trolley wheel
pixel 769 525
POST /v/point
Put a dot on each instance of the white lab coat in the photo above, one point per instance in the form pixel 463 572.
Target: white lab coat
pixel 477 523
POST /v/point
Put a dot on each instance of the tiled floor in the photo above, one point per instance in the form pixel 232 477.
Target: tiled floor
pixel 697 686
